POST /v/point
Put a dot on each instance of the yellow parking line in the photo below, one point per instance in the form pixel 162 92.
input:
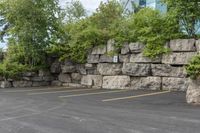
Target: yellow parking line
pixel 52 92
pixel 137 96
pixel 95 93
pixel 30 90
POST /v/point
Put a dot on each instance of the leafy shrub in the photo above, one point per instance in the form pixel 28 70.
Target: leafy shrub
pixel 12 69
pixel 193 68
pixel 153 29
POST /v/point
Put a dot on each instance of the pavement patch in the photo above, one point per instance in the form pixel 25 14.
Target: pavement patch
pixel 53 92
pixel 137 96
pixel 95 93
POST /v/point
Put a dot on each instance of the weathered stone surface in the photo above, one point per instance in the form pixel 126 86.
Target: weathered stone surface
pixel 133 69
pixel 44 73
pixel 93 59
pixel 136 47
pixel 110 45
pixel 146 83
pixel 37 78
pixel 165 70
pixel 193 92
pixel 174 84
pixel 178 58
pixel 22 83
pixel 5 84
pixel 198 45
pixel 56 83
pixel 92 80
pixel 29 74
pixel 38 84
pixel 124 58
pixel 139 58
pixel 125 49
pixel 55 67
pixel 64 78
pixel 99 50
pixel 182 45
pixel 116 82
pixel 106 59
pixel 48 78
pixel 76 77
pixel 109 69
pixel 81 69
pixel 68 67
pixel 89 66
pixel 92 72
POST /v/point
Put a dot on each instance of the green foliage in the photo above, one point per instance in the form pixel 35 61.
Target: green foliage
pixel 187 13
pixel 74 11
pixel 193 68
pixel 12 69
pixel 88 32
pixel 153 29
pixel 31 25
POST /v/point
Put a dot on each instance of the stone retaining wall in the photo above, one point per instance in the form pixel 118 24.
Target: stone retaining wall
pixel 132 70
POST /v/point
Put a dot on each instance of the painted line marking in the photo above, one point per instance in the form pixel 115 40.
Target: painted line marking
pixel 30 90
pixel 95 93
pixel 137 96
pixel 52 92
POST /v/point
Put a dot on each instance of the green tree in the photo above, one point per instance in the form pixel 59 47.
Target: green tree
pixel 30 25
pixel 75 11
pixel 187 12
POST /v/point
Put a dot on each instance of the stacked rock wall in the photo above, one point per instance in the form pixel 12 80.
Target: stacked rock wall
pixel 132 70
pixel 128 69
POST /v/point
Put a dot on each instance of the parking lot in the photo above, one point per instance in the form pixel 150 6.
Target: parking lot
pixel 87 110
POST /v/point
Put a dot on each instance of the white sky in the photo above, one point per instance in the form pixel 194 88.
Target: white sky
pixel 90 5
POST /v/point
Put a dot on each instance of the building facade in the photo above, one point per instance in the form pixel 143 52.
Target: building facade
pixel 154 4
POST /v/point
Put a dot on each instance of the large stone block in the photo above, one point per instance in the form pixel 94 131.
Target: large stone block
pixel 29 74
pixel 198 45
pixel 22 83
pixel 37 78
pixel 182 45
pixel 81 69
pixel 68 67
pixel 178 58
pixel 99 50
pixel 106 59
pixel 136 47
pixel 124 58
pixel 65 78
pixel 193 92
pixel 92 80
pixel 109 69
pixel 90 66
pixel 76 77
pixel 140 58
pixel 55 67
pixel 165 70
pixel 110 45
pixel 174 84
pixel 93 59
pixel 5 84
pixel 116 82
pixel 133 69
pixel 125 49
pixel 146 83
pixel 44 73
pixel 48 78
pixel 56 83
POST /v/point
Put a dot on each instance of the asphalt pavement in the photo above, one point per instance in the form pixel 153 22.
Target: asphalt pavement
pixel 86 110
